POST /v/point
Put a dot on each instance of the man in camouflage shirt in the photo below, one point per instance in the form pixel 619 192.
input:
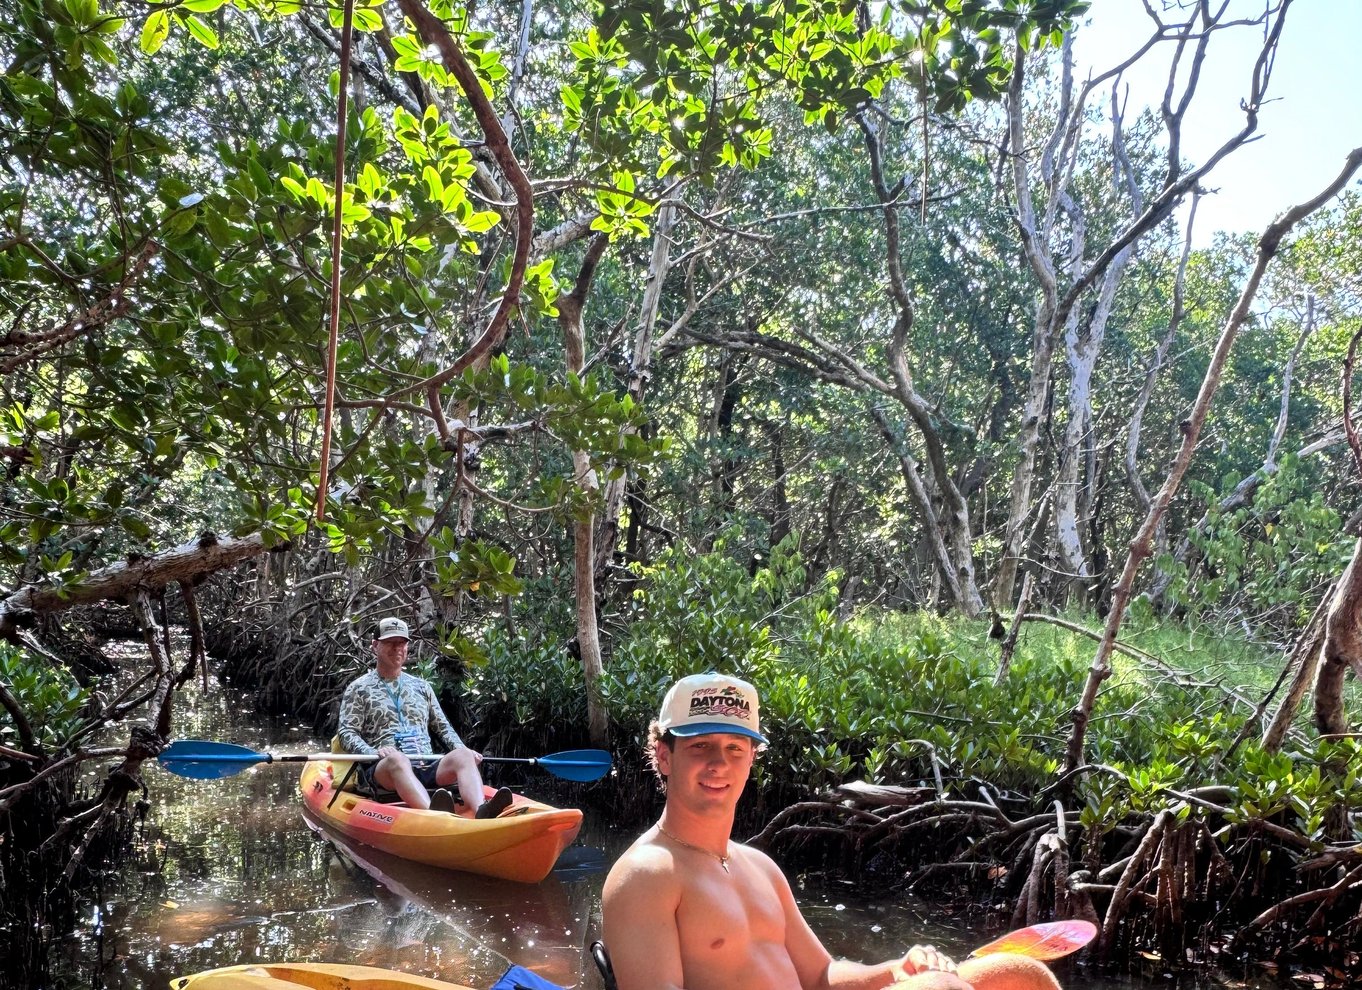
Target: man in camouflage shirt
pixel 394 715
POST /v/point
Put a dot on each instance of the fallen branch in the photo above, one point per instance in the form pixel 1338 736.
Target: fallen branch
pixel 1351 879
pixel 15 791
pixel 205 555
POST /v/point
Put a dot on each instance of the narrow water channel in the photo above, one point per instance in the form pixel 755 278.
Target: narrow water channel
pixel 231 871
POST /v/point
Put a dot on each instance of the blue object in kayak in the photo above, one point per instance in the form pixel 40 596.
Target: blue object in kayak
pixel 520 978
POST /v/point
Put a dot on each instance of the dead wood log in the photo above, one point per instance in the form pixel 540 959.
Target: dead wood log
pixel 863 794
pixel 204 555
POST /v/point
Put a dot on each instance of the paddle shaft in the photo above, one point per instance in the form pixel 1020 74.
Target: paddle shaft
pixel 350 758
pixel 202 759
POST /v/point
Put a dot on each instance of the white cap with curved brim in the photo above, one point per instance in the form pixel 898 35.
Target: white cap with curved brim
pixel 392 628
pixel 704 703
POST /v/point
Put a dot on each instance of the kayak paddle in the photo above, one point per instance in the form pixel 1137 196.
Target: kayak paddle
pixel 1051 940
pixel 200 759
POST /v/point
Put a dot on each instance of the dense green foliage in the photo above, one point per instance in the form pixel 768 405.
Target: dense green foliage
pixel 168 282
pixel 879 697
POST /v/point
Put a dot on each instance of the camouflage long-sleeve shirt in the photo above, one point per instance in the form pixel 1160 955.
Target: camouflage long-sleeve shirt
pixel 370 717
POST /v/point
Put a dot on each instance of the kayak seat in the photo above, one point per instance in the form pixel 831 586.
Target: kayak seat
pixel 342 772
pixel 602 960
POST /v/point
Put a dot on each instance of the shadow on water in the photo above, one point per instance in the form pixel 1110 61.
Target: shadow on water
pixel 230 871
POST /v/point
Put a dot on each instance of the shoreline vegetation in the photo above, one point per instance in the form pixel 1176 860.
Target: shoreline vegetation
pixel 902 755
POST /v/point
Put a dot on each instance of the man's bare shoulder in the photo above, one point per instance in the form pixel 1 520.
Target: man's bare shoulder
pixel 647 866
pixel 646 857
pixel 756 858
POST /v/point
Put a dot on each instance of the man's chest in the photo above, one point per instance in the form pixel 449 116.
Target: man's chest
pixel 383 702
pixel 724 915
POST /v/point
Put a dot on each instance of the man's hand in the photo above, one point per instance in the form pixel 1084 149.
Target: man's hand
pixel 388 752
pixel 925 959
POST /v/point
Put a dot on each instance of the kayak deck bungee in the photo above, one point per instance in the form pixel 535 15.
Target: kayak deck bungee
pixel 522 844
pixel 314 976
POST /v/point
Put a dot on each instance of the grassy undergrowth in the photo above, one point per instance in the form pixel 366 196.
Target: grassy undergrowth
pixel 902 698
pixel 1213 658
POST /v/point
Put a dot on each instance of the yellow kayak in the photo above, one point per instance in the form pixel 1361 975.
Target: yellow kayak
pixel 522 844
pixel 315 976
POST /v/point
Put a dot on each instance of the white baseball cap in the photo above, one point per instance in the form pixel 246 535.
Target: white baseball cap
pixel 392 628
pixel 703 703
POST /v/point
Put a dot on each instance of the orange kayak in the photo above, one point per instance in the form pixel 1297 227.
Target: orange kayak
pixel 314 976
pixel 523 844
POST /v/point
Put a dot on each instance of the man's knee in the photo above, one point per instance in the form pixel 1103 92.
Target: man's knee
pixel 394 761
pixel 458 760
pixel 932 981
pixel 1005 971
pixel 392 765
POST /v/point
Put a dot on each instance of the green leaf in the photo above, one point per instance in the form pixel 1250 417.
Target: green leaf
pixel 154 32
pixel 135 526
pixel 202 33
pixel 367 20
pixel 481 221
pixel 353 213
pixel 434 184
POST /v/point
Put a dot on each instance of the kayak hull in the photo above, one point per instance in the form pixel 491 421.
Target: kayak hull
pixel 315 976
pixel 521 845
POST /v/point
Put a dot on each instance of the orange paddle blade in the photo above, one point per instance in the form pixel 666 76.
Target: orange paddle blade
pixel 1052 940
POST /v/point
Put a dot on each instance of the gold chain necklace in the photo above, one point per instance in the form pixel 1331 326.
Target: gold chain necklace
pixel 723 860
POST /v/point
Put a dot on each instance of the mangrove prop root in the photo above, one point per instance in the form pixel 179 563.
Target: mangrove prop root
pixel 1190 872
pixel 1116 909
pixel 1351 879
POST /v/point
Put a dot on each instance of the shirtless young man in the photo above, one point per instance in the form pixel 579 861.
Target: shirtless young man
pixel 686 907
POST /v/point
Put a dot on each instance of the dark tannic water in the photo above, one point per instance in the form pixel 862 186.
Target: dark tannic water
pixel 231 872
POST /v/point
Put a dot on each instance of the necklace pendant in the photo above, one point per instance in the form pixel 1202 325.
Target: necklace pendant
pixel 723 861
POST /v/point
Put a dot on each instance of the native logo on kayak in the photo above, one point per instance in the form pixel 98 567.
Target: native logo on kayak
pixel 720 703
pixel 385 819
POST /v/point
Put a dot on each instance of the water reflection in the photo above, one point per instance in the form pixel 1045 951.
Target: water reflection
pixel 539 926
pixel 230 872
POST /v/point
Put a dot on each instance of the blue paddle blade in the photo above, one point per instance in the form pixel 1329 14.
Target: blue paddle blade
pixel 199 759
pixel 577 764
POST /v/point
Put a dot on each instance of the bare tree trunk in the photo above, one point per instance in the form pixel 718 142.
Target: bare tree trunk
pixel 1175 317
pixel 1245 491
pixel 780 500
pixel 583 527
pixel 932 531
pixel 1055 307
pixel 723 467
pixel 952 515
pixel 1343 628
pixel 1342 648
pixel 1141 545
pixel 1042 328
pixel 640 369
pixel 1083 344
pixel 1305 658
